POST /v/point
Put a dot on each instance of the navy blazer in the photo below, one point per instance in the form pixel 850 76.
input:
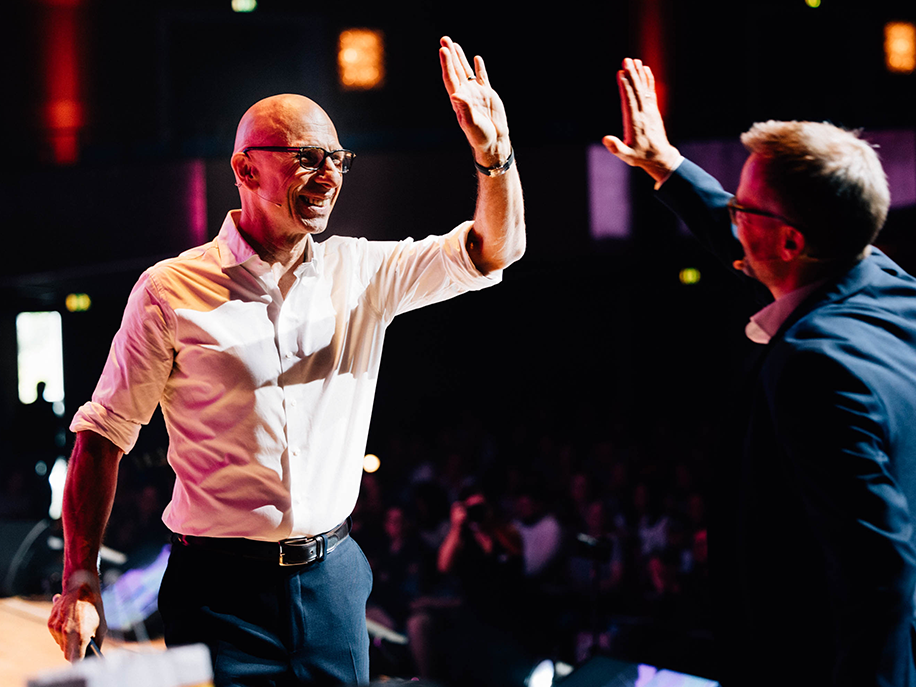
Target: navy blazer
pixel 819 547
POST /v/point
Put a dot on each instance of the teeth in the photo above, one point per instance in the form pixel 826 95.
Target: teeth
pixel 317 202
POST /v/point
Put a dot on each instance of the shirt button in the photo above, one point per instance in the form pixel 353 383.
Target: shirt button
pixel 289 354
pixel 295 452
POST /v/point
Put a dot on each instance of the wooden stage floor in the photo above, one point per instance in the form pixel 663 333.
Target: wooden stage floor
pixel 26 646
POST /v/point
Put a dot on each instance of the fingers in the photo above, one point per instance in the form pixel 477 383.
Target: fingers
pixel 616 146
pixel 75 650
pixel 650 81
pixel 631 82
pixel 53 623
pixel 463 61
pixel 627 103
pixel 73 623
pixel 455 66
pixel 449 75
pixel 456 69
pixel 459 60
pixel 640 84
pixel 620 149
pixel 482 75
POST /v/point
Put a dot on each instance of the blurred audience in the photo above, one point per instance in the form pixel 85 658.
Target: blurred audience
pixel 523 540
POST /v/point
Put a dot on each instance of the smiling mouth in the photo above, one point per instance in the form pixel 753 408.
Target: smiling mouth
pixel 316 202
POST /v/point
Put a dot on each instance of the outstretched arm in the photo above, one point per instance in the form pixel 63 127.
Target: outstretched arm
pixel 645 143
pixel 498 236
pixel 92 476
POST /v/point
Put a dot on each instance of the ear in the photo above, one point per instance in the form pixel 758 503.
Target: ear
pixel 793 243
pixel 246 174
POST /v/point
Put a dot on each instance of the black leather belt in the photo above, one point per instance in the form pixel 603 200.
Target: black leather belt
pixel 295 551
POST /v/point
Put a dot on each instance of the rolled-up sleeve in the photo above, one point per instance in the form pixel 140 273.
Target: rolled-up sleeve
pixel 135 374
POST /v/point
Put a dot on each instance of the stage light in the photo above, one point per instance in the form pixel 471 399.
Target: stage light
pixel 813 3
pixel 900 47
pixel 542 675
pixel 78 302
pixel 244 5
pixel 39 356
pixel 361 59
pixel 62 84
pixel 689 276
pixel 371 463
pixel 56 479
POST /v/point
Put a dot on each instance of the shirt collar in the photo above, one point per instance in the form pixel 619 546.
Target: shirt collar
pixel 765 323
pixel 234 250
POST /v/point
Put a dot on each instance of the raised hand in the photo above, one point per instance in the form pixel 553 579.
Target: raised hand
pixel 480 111
pixel 645 143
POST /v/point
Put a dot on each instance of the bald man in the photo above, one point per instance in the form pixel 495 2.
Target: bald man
pixel 263 347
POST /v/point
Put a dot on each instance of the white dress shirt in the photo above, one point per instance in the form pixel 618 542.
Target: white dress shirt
pixel 267 400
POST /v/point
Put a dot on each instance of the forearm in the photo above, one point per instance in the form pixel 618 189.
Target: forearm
pixel 700 201
pixel 498 236
pixel 448 551
pixel 92 478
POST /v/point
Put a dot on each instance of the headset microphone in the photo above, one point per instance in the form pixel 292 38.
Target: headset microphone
pixel 279 205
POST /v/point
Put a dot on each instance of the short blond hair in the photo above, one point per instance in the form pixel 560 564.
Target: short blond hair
pixel 827 180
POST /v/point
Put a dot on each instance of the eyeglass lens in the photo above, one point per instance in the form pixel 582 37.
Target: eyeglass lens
pixel 313 158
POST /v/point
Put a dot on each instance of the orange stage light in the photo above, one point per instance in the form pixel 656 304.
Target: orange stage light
pixel 900 47
pixel 361 59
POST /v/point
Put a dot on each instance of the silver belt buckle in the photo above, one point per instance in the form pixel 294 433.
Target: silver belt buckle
pixel 292 550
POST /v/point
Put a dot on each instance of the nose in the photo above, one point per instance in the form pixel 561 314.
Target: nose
pixel 328 173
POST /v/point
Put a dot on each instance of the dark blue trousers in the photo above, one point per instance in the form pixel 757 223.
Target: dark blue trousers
pixel 271 626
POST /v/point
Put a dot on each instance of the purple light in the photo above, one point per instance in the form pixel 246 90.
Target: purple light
pixel 609 195
pixel 197 202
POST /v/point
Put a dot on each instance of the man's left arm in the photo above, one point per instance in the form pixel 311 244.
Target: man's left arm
pixel 497 238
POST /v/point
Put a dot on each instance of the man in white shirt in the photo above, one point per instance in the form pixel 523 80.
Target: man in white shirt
pixel 263 348
pixel 815 556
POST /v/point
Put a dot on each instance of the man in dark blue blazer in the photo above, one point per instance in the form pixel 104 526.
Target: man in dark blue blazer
pixel 818 553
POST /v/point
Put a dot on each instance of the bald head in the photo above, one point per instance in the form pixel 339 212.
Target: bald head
pixel 283 120
pixel 282 201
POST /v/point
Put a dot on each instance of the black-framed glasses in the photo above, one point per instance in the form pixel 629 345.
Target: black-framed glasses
pixel 734 207
pixel 313 157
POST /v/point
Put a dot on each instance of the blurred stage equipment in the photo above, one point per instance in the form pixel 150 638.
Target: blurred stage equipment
pixel 26 560
pixel 30 557
pixel 132 601
pixel 602 671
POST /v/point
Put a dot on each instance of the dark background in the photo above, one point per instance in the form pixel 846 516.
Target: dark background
pixel 166 82
pixel 586 341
